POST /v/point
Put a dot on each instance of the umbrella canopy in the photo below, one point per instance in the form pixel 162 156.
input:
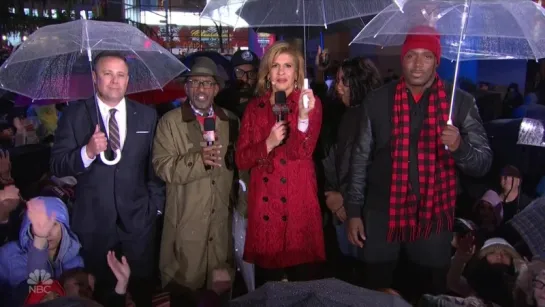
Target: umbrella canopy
pixel 53 63
pixel 494 29
pixel 529 224
pixel 325 292
pixel 285 13
pixel 531 132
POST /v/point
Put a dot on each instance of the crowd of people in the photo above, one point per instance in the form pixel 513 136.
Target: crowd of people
pixel 362 180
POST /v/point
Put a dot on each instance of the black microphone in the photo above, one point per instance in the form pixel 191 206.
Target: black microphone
pixel 209 131
pixel 209 134
pixel 280 108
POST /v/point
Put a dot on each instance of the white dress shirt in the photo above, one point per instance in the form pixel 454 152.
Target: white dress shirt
pixel 120 116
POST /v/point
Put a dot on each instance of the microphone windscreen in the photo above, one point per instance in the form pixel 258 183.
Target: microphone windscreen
pixel 280 97
pixel 209 124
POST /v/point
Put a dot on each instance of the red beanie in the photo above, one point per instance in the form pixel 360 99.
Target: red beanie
pixel 422 37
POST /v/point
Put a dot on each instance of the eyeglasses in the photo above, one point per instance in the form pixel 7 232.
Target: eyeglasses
pixel 250 74
pixel 538 284
pixel 197 83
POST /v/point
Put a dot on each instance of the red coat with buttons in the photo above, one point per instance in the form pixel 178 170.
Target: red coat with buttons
pixel 284 218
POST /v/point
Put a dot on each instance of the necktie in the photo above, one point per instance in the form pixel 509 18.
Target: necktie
pixel 113 129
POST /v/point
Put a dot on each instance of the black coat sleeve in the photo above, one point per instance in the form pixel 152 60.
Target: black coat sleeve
pixel 330 172
pixel 66 153
pixel 360 160
pixel 474 156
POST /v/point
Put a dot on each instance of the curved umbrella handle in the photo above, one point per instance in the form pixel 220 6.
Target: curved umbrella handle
pixel 111 162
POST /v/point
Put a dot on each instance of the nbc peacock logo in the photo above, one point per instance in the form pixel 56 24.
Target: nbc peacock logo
pixel 39 281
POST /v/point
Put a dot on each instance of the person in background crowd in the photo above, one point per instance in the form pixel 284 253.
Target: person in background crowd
pixel 356 78
pixel 48 117
pixel 530 285
pixel 512 100
pixel 6 135
pixel 531 108
pixel 45 243
pixel 235 98
pixel 514 200
pixel 484 86
pixel 330 105
pixel 488 215
pixel 25 130
pixel 390 76
pixel 10 218
pixel 196 236
pixel 284 238
pixel 78 283
pixel 493 276
pixel 5 168
pixel 495 255
pixel 115 207
pixel 402 182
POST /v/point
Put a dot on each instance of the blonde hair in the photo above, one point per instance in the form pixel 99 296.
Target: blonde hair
pixel 268 59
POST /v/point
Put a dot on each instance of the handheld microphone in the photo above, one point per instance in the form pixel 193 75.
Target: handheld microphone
pixel 280 107
pixel 209 134
pixel 209 131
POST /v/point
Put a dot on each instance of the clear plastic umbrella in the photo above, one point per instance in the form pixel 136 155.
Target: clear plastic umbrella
pixel 531 132
pixel 55 61
pixel 289 13
pixel 492 29
pixel 286 13
pixel 469 30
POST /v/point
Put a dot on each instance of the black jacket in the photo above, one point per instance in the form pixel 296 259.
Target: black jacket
pixel 337 163
pixel 369 184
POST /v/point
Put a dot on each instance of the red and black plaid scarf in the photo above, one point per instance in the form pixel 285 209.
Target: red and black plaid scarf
pixel 410 219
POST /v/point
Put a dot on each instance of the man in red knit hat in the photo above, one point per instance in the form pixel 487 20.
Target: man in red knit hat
pixel 402 185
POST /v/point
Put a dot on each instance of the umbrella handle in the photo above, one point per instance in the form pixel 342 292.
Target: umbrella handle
pixel 111 162
pixel 449 122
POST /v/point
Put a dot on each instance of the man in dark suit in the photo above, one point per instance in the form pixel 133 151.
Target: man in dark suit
pixel 116 206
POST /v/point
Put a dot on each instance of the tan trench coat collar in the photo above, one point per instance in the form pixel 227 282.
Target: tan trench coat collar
pixel 188 115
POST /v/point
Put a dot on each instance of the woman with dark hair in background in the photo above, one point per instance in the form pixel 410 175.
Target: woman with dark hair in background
pixel 356 78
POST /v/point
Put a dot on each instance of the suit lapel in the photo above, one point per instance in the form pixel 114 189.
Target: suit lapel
pixel 94 114
pixel 131 125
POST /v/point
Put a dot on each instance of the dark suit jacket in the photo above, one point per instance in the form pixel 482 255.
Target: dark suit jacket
pixel 126 195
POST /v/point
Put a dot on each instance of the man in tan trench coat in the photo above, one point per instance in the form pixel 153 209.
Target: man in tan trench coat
pixel 196 236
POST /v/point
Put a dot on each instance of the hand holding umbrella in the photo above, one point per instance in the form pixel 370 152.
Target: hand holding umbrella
pixel 97 145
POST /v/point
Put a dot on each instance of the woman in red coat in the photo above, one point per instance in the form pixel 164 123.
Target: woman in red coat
pixel 284 237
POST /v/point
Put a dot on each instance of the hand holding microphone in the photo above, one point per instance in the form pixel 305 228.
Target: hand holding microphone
pixel 277 135
pixel 279 130
pixel 210 151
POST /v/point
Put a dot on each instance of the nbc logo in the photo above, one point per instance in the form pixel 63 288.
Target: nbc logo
pixel 39 281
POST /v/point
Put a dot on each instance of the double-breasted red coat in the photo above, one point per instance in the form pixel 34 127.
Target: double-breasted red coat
pixel 284 218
